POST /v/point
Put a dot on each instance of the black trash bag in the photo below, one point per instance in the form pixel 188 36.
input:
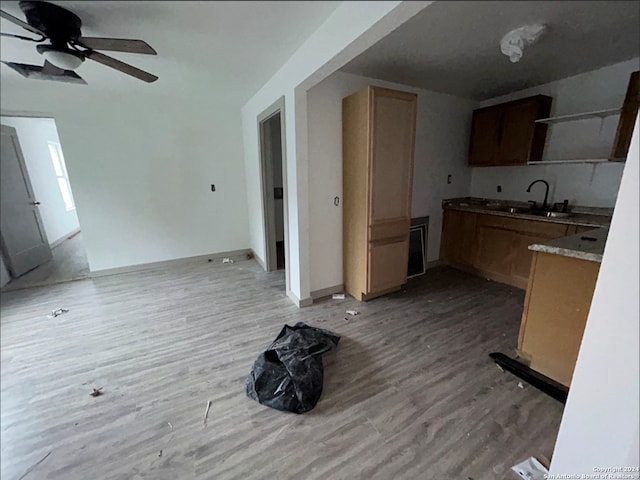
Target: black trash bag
pixel 288 376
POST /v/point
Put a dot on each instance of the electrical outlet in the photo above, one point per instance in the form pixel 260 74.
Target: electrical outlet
pixel 449 179
pixel 213 187
pixel 499 189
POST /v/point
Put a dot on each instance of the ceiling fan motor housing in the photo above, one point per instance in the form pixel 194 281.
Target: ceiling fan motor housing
pixel 67 48
pixel 59 24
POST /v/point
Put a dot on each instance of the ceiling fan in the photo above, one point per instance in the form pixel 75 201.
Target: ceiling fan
pixel 67 48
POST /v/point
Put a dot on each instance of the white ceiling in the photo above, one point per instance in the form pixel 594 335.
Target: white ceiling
pixel 231 48
pixel 453 46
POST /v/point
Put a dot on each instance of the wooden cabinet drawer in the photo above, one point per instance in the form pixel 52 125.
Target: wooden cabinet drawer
pixel 387 265
pixel 391 229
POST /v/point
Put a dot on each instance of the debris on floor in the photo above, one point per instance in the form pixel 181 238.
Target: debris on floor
pixel 353 312
pixel 500 368
pixel 227 260
pixel 346 319
pixel 58 311
pixel 288 376
pixel 96 392
pixel 34 465
pixel 531 469
pixel 168 441
pixel 520 385
pixel 249 255
pixel 338 296
pixel 206 412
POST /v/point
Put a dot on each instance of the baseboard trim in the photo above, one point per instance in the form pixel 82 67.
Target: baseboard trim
pixel 305 302
pixel 326 292
pixel 57 242
pixel 258 259
pixel 236 255
pixel 434 263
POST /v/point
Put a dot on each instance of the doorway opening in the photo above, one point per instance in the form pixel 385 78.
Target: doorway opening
pixel 40 233
pixel 273 191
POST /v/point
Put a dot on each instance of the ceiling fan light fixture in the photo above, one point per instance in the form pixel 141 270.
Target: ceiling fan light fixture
pixel 62 58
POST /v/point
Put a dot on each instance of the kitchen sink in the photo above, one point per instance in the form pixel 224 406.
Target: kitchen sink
pixel 550 214
pixel 512 209
pixel 529 211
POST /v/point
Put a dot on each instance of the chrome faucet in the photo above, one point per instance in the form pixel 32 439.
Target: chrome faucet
pixel 546 193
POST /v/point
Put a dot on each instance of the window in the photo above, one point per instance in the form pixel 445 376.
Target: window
pixel 61 173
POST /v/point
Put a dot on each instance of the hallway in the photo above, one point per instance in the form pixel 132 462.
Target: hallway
pixel 69 262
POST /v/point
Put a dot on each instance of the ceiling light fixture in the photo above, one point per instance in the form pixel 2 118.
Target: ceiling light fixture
pixel 63 58
pixel 513 43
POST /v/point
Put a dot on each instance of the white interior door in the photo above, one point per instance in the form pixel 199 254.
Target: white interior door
pixel 24 240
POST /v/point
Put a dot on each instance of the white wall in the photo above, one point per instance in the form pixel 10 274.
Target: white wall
pixel 594 185
pixel 350 29
pixel 582 184
pixel 600 423
pixel 141 163
pixel 442 133
pixel 4 274
pixel 34 135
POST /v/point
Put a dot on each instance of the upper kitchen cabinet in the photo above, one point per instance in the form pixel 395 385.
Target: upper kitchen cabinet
pixel 485 136
pixel 507 134
pixel 627 120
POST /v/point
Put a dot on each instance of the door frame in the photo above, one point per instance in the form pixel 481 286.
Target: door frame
pixel 266 184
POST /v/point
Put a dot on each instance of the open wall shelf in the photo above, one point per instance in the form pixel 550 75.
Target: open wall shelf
pixel 571 160
pixel 581 116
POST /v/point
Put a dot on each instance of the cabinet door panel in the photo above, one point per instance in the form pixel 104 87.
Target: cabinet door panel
pixel 387 265
pixel 458 240
pixel 485 130
pixel 522 256
pixel 451 238
pixel 494 250
pixel 392 156
pixel 517 133
pixel 468 240
pixel 521 265
pixel 627 120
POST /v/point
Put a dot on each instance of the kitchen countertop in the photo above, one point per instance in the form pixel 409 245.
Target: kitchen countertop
pixel 576 246
pixel 584 216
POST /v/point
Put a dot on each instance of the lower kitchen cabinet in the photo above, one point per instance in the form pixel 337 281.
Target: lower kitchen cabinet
pixel 496 247
pixel 387 265
pixel 459 229
pixel 503 246
pixel 555 313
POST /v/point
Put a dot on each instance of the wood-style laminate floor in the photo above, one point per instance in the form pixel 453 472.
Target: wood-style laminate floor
pixel 410 392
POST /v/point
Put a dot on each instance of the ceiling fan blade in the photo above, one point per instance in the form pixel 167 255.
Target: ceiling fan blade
pixel 116 45
pixel 47 72
pixel 121 66
pixel 21 23
pixel 21 37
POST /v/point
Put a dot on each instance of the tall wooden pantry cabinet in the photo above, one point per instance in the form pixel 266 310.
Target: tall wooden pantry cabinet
pixel 377 149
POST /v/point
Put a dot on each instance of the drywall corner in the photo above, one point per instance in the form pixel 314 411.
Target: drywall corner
pixel 4 273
